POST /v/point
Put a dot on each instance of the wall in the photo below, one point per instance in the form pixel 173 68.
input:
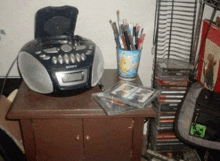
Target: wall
pixel 17 20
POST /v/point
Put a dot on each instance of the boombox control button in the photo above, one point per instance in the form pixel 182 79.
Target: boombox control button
pixel 89 52
pixel 51 50
pixel 42 56
pixel 80 47
pixel 60 59
pixel 37 52
pixel 72 58
pixel 66 58
pixel 83 56
pixel 66 48
pixel 78 57
pixel 46 57
pixel 54 60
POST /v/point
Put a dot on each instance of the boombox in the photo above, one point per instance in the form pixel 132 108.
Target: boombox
pixel 57 60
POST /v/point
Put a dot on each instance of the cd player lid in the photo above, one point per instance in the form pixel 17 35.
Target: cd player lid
pixel 55 22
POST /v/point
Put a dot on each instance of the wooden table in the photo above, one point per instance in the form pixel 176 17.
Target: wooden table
pixel 75 128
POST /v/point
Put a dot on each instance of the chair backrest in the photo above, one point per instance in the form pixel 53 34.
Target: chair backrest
pixel 198 119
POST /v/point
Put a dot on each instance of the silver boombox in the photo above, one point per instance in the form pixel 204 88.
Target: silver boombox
pixel 57 60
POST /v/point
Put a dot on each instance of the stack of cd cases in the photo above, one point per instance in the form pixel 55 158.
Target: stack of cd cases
pixel 125 96
pixel 172 79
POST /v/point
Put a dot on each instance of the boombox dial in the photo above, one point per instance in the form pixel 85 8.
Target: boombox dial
pixel 66 48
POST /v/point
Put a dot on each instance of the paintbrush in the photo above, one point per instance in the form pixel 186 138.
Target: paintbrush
pixel 116 34
pixel 118 19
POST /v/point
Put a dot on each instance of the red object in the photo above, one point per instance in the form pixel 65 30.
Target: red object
pixel 140 42
pixel 167 120
pixel 123 41
pixel 172 84
pixel 208 65
pixel 166 135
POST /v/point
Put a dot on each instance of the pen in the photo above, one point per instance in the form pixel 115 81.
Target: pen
pixel 123 41
pixel 125 32
pixel 141 32
pixel 130 41
pixel 134 35
pixel 140 42
pixel 130 38
pixel 130 29
pixel 122 37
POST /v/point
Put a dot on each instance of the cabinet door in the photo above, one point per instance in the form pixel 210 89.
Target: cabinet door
pixel 58 139
pixel 108 139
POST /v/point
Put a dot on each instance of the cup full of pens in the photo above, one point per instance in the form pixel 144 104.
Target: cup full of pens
pixel 129 40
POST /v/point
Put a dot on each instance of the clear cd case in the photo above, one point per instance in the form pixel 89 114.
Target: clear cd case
pixel 125 96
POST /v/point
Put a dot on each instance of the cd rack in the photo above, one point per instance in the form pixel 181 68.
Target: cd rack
pixel 213 3
pixel 175 34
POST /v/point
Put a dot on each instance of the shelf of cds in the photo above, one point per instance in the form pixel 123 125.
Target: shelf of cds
pixel 175 35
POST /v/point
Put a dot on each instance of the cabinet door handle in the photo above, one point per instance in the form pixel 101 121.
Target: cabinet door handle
pixel 87 137
pixel 77 137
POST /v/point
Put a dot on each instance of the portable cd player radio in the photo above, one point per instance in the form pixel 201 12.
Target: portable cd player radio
pixel 57 60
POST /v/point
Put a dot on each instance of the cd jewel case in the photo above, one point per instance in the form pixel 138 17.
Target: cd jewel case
pixel 124 97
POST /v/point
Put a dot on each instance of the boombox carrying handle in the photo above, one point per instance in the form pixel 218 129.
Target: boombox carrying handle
pixel 55 22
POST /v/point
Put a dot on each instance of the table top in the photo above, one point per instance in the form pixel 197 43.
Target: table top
pixel 29 104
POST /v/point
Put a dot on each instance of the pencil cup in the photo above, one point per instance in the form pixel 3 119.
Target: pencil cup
pixel 128 63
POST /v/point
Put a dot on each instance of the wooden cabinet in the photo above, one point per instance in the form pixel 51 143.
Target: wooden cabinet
pixel 75 128
pixel 108 139
pixel 58 139
pixel 93 139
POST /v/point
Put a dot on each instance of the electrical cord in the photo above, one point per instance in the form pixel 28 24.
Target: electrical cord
pixel 4 82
